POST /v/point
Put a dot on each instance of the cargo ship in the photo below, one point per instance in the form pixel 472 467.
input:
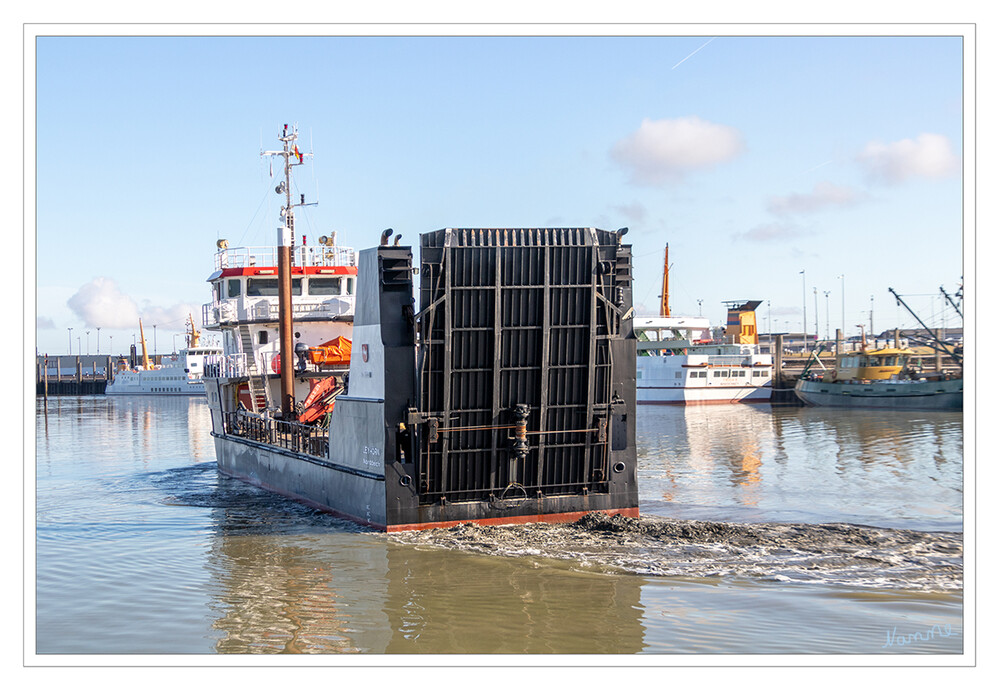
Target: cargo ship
pixel 507 396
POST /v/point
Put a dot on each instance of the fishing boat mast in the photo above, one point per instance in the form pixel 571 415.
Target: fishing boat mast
pixel 286 239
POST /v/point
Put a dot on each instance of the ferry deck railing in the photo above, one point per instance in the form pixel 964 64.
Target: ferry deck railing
pixel 316 255
pixel 292 436
pixel 239 309
pixel 226 366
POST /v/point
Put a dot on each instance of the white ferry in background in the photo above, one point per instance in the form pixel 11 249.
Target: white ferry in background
pixel 179 374
pixel 679 363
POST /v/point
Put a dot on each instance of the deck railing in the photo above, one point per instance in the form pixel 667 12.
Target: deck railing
pixel 316 255
pixel 238 309
pixel 298 438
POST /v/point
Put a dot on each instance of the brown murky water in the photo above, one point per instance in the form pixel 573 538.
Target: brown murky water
pixel 785 531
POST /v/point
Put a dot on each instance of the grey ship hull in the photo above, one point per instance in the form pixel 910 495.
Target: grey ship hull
pixel 890 395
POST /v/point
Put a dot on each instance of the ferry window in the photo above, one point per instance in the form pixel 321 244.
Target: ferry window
pixel 262 338
pixel 350 286
pixel 679 375
pixel 234 286
pixel 261 287
pixel 216 291
pixel 268 287
pixel 325 286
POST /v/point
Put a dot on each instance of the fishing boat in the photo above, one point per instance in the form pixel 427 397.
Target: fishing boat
pixel 177 374
pixel 507 396
pixel 881 378
pixel 680 363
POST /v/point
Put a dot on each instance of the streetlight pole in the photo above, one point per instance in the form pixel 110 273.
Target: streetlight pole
pixel 70 329
pixel 842 312
pixel 88 343
pixel 699 302
pixel 111 343
pixel 804 314
pixel 98 340
pixel 770 328
pixel 815 291
pixel 826 293
pixel 872 316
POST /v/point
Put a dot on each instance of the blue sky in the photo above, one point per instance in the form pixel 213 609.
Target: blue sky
pixel 754 157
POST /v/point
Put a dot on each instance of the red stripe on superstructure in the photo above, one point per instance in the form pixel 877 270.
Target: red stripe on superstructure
pixel 295 270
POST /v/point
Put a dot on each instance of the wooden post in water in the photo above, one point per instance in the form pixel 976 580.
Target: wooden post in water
pixel 45 375
pixel 79 371
pixel 938 360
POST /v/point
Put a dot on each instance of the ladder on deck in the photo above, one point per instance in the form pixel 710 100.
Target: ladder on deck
pixel 257 381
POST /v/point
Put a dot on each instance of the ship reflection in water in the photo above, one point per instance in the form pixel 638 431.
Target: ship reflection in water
pixel 142 548
pixel 751 463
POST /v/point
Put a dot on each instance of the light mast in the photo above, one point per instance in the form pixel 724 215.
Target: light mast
pixel 286 239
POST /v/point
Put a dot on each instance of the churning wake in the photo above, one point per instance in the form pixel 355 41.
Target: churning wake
pixel 807 553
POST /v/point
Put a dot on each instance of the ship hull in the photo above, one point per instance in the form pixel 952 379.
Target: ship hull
pixel 360 496
pixel 889 395
pixel 671 380
pixel 702 396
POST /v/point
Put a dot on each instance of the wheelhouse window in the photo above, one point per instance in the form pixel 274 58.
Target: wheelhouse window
pixel 262 338
pixel 234 287
pixel 268 287
pixel 325 286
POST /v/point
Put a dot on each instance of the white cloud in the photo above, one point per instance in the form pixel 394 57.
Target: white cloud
pixel 100 303
pixel 663 151
pixel 928 155
pixel 770 232
pixel 172 316
pixel 823 195
pixel 44 322
pixel 635 211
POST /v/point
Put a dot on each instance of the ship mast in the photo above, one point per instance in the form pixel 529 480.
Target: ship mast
pixel 286 239
pixel 664 297
pixel 145 355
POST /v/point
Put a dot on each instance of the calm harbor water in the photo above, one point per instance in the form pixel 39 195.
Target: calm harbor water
pixel 142 548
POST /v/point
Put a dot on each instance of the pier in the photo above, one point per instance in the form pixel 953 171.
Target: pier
pixel 78 374
pixel 72 374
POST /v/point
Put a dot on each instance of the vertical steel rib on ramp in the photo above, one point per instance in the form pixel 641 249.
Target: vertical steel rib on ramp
pixel 521 317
